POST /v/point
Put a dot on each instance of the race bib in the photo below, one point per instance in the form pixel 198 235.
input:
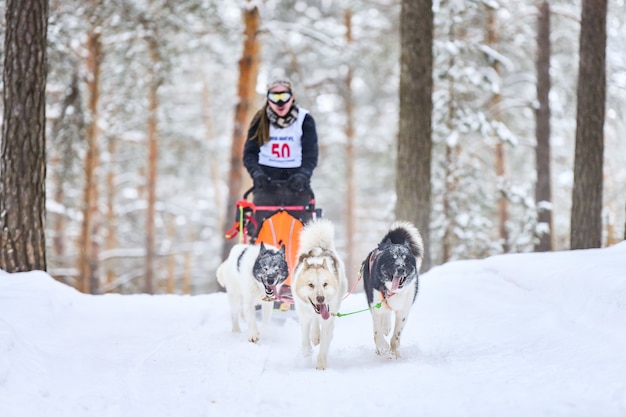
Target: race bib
pixel 284 149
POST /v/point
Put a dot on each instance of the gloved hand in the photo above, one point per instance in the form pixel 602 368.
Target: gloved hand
pixel 298 182
pixel 260 180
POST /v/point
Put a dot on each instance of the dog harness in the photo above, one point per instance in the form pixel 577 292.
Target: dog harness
pixel 371 258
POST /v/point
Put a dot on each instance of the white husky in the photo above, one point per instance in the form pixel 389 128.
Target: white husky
pixel 252 274
pixel 319 283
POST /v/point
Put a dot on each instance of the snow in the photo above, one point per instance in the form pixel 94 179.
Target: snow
pixel 511 335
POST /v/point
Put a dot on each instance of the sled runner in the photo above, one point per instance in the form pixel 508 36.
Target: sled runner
pixel 275 224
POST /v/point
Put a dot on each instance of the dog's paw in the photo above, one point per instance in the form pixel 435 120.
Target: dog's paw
pixel 394 354
pixel 382 349
pixel 395 347
pixel 382 346
pixel 321 363
pixel 253 338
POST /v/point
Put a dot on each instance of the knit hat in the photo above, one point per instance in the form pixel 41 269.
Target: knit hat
pixel 279 80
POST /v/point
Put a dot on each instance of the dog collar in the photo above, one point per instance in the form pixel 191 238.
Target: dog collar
pixel 382 295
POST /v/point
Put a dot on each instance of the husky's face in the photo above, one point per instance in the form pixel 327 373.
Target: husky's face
pixel 396 265
pixel 270 269
pixel 318 285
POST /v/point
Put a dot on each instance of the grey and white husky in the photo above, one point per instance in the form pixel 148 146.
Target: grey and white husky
pixel 252 275
pixel 390 277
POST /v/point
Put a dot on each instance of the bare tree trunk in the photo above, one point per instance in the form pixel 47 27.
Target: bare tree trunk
pixel 111 219
pixel 187 273
pixel 88 261
pixel 248 72
pixel 63 145
pixel 500 156
pixel 171 258
pixel 543 190
pixel 59 223
pixel 609 228
pixel 350 212
pixel 448 233
pixel 187 264
pixel 503 204
pixel 152 136
pixel 450 176
pixel 586 221
pixel 23 159
pixel 413 176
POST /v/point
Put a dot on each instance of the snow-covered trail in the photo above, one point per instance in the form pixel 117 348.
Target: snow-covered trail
pixel 513 335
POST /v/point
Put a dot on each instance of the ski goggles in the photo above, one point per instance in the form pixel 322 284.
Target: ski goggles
pixel 279 98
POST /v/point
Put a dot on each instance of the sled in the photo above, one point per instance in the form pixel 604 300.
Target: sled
pixel 274 225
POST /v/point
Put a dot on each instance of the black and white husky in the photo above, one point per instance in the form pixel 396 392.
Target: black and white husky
pixel 252 275
pixel 390 277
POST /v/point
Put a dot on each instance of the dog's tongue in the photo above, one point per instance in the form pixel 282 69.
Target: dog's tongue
pixel 395 284
pixel 324 311
pixel 270 290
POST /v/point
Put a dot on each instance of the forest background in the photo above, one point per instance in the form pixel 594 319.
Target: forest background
pixel 141 107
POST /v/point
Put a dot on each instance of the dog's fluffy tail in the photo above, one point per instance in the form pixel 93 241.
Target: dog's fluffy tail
pixel 403 231
pixel 319 233
pixel 220 275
